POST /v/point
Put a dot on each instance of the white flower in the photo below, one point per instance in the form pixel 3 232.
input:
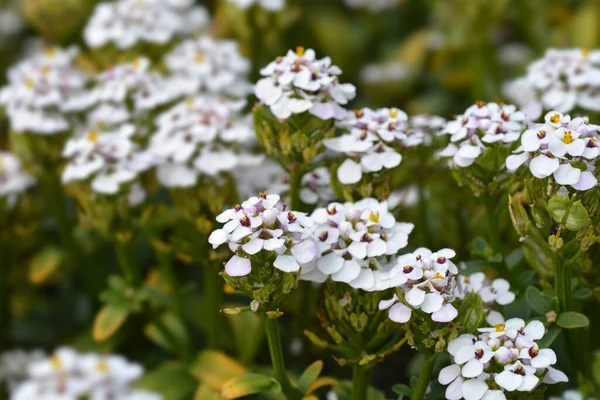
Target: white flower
pixel 562 80
pixel 210 65
pixel 491 292
pixel 351 239
pixel 262 226
pixel 563 148
pixel 13 180
pixel 43 89
pixel 14 365
pixel 501 359
pixel 481 126
pixel 110 158
pixel 369 137
pixel 129 22
pixel 201 135
pixel 428 281
pixel 298 82
pixel 270 5
pixel 71 375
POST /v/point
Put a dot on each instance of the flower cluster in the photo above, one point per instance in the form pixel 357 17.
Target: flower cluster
pixel 210 65
pixel 14 365
pixel 110 157
pixel 43 89
pixel 126 23
pixel 482 125
pixel 491 293
pixel 197 136
pixel 270 5
pixel 71 375
pixel 370 135
pixel 298 82
pixel 13 180
pixel 262 226
pixel 562 80
pixel 563 148
pixel 356 244
pixel 504 358
pixel 427 281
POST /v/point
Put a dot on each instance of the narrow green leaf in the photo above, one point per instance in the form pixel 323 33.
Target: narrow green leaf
pixel 471 312
pixel 402 390
pixel 536 301
pixel 108 321
pixel 549 337
pixel 572 320
pixel 309 376
pixel 248 384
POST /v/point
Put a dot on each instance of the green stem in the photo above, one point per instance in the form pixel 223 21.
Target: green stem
pixel 295 187
pixel 274 340
pixel 213 300
pixel 124 261
pixel 424 377
pixel 562 283
pixel 492 219
pixel 360 382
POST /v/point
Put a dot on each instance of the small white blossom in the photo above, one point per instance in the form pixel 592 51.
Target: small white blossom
pixel 270 5
pixel 497 360
pixel 298 82
pixel 428 281
pixel 14 365
pixel 370 137
pixel 43 89
pixel 109 158
pixel 352 238
pixel 201 135
pixel 563 148
pixel 13 180
pixel 481 126
pixel 71 375
pixel 261 225
pixel 126 23
pixel 562 80
pixel 211 65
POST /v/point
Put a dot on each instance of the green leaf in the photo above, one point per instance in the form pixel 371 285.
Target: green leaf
pixel 44 265
pixel 402 390
pixel 573 216
pixel 582 294
pixel 171 380
pixel 549 337
pixel 309 376
pixel 572 320
pixel 108 321
pixel 536 301
pixel 248 384
pixel 176 336
pixel 471 312
pixel 514 258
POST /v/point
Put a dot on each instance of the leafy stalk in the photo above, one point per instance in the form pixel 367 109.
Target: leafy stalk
pixel 276 351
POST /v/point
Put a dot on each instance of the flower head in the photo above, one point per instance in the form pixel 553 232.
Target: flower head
pixel 299 82
pixel 565 149
pixel 481 126
pixel 263 227
pixel 504 358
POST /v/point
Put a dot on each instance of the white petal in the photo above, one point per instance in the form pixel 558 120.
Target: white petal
pixel 304 251
pixel 286 263
pixel 349 172
pixel 472 368
pixel 432 303
pixel 217 238
pixel 350 270
pixel 509 380
pixel 474 389
pixel 399 313
pixel 514 161
pixel 448 374
pixel 238 266
pixel 253 246
pixel 331 263
pixel 385 304
pixel 567 175
pixel 415 297
pixel 543 166
pixel 445 314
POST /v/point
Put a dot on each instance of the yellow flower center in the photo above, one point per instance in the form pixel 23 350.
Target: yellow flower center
pixel 102 366
pixel 438 275
pixel 568 137
pixel 56 363
pixel 500 327
pixel 199 57
pixel 189 101
pixel 45 70
pixel 92 136
pixel 299 51
pixel 393 113
pixel 555 118
pixel 137 64
pixel 374 217
pixel 30 83
pixel 50 52
pixel 585 52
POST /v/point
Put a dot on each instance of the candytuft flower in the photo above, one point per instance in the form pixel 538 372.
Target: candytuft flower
pixel 504 358
pixel 298 82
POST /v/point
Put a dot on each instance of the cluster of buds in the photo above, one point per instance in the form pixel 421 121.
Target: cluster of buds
pixel 563 148
pixel 357 244
pixel 299 82
pixel 499 360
